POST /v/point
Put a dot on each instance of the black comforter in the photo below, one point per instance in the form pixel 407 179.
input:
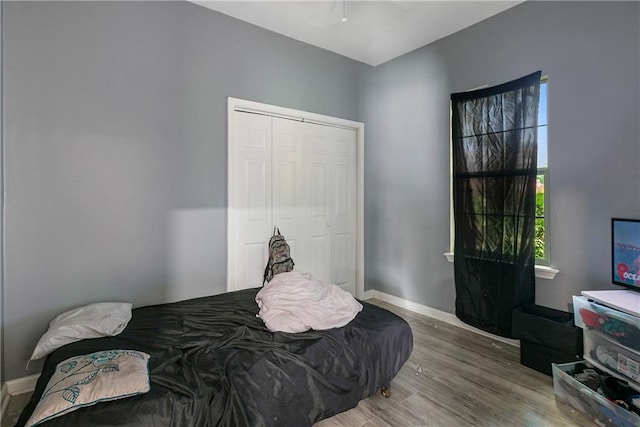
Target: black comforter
pixel 214 363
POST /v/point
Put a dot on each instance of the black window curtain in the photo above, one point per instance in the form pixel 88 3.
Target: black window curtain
pixel 494 134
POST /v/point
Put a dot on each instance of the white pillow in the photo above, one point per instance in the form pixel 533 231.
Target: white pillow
pixel 91 378
pixel 90 321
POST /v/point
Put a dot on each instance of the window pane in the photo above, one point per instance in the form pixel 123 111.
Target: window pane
pixel 540 196
pixel 543 163
pixel 542 107
pixel 542 147
pixel 539 250
pixel 542 127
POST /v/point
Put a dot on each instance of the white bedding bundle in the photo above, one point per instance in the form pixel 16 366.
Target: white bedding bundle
pixel 295 302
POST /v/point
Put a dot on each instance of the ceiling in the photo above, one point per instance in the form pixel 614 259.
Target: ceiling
pixel 375 31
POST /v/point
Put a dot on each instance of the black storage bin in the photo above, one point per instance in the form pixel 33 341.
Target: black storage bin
pixel 546 336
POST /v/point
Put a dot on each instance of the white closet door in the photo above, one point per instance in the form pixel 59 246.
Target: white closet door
pixel 317 153
pixel 290 197
pixel 343 217
pixel 314 198
pixel 250 210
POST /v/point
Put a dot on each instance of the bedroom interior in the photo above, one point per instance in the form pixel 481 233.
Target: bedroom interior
pixel 114 145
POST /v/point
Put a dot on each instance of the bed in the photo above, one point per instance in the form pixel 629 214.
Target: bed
pixel 214 363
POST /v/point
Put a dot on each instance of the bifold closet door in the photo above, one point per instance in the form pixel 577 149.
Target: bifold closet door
pixel 302 193
pixel 301 178
pixel 289 199
pixel 314 198
pixel 317 187
pixel 330 180
pixel 343 209
pixel 250 209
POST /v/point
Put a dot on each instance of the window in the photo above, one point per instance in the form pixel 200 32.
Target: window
pixel 542 196
pixel 542 193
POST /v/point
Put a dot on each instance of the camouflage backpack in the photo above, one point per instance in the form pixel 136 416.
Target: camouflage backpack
pixel 279 256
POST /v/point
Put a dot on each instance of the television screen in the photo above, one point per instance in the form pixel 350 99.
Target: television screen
pixel 625 252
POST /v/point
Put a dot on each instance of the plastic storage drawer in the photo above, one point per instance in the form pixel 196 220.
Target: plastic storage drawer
pixel 582 398
pixel 618 326
pixel 610 356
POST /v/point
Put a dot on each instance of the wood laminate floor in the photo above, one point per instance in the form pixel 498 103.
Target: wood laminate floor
pixel 10 416
pixel 453 378
pixel 458 378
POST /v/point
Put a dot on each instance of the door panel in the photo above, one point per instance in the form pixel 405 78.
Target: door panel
pixel 341 191
pixel 284 192
pixel 255 189
pixel 341 259
pixel 254 264
pixel 317 182
pixel 320 258
pixel 289 198
pixel 343 217
pixel 251 200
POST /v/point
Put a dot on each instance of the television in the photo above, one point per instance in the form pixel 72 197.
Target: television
pixel 625 252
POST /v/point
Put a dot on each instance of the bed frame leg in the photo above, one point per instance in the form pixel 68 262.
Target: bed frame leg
pixel 386 392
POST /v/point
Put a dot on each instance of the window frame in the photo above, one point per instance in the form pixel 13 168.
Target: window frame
pixel 546 261
pixel 544 171
pixel 543 269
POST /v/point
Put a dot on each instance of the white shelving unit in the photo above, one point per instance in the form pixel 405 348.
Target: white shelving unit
pixel 610 321
pixel 611 324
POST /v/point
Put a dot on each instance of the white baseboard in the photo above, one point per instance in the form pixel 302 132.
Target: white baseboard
pixel 435 313
pixel 16 387
pixel 22 385
pixel 4 398
pixel 371 293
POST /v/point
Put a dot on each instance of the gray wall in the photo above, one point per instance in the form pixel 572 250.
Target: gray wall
pixel 115 146
pixel 589 50
pixel 115 142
